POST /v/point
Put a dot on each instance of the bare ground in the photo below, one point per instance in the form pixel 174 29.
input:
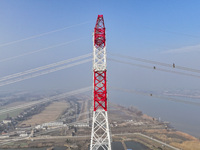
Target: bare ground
pixel 50 113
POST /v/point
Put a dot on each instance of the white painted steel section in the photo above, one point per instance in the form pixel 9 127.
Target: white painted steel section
pixel 99 58
pixel 100 136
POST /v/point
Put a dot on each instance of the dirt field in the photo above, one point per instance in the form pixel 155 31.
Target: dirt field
pixel 51 113
pixel 188 145
pixel 84 109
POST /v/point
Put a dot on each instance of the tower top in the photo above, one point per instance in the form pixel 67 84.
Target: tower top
pixel 100 22
pixel 99 33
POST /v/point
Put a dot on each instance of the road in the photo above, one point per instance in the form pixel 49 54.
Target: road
pixel 9 140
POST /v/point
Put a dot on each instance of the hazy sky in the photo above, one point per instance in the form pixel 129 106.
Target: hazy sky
pixel 161 30
pixel 166 31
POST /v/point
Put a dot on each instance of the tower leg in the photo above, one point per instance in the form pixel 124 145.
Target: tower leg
pixel 100 135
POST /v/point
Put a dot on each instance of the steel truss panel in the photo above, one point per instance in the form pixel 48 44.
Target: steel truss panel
pixel 99 59
pixel 100 135
pixel 100 91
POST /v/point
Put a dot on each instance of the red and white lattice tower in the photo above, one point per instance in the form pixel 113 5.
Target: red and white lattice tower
pixel 100 135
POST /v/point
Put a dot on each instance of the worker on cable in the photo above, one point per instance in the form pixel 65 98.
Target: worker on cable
pixel 173 65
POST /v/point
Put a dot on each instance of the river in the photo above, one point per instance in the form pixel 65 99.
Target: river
pixel 183 117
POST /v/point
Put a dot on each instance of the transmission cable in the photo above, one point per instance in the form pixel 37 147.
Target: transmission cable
pixel 42 34
pixel 154 68
pixel 44 67
pixel 39 50
pixel 45 72
pixel 48 99
pixel 156 96
pixel 156 62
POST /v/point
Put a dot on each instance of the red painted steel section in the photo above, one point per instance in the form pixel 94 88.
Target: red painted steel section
pixel 99 33
pixel 100 90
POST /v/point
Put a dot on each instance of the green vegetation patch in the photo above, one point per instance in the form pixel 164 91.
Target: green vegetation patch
pixel 14 113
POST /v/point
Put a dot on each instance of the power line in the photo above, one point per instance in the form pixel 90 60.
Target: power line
pixel 129 63
pixel 39 50
pixel 157 63
pixel 44 67
pixel 45 72
pixel 141 60
pixel 48 99
pixel 154 68
pixel 42 34
pixel 156 96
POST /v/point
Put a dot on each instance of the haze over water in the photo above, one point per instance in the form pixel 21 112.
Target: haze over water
pixel 185 119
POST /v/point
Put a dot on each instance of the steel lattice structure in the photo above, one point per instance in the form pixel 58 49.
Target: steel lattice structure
pixel 100 135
